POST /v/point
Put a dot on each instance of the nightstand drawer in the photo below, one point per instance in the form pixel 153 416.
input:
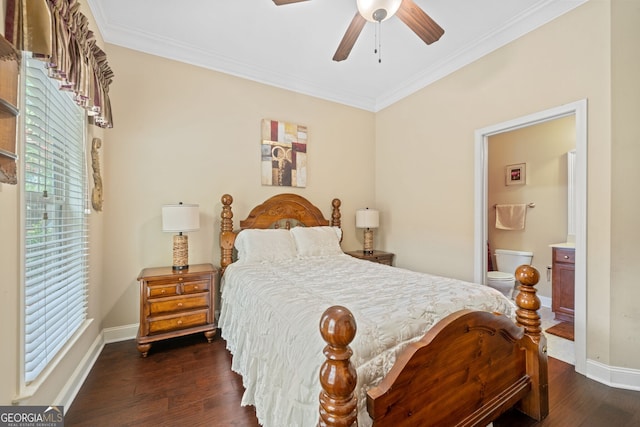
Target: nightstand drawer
pixel 171 323
pixel 171 305
pixel 193 287
pixel 162 290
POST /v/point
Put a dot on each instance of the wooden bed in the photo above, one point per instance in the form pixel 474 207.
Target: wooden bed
pixel 468 369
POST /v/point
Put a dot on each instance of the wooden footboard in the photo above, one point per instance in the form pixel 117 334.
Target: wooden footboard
pixel 467 370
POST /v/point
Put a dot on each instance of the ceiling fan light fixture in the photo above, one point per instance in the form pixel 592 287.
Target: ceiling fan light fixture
pixel 378 10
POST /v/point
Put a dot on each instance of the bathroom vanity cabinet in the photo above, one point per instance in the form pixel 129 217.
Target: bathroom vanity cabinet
pixel 563 283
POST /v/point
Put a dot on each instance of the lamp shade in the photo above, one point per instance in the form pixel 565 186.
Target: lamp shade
pixel 367 218
pixel 180 218
pixel 378 10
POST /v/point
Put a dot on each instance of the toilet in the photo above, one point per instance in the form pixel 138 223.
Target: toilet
pixel 507 261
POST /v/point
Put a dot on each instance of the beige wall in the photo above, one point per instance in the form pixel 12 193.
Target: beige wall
pixel 625 176
pixel 543 147
pixel 425 158
pixel 189 134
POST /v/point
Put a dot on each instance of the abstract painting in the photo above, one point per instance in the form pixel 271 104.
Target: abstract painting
pixel 284 154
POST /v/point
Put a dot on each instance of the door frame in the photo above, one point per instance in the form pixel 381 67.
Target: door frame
pixel 579 109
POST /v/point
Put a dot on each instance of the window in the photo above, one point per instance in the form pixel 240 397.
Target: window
pixel 55 222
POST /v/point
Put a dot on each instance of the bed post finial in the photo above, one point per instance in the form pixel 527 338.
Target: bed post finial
pixel 227 236
pixel 335 213
pixel 338 404
pixel 528 302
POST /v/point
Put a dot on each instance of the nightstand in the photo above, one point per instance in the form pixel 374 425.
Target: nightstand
pixel 174 303
pixel 377 256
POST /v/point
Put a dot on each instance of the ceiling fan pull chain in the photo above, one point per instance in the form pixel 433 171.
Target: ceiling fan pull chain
pixel 375 38
pixel 378 36
pixel 379 42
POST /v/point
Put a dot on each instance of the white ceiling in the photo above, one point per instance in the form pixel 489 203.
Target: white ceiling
pixel 291 46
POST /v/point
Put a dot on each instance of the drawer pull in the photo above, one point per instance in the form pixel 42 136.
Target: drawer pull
pixel 163 291
pixel 179 304
pixel 195 287
pixel 566 257
pixel 179 322
pixel 180 279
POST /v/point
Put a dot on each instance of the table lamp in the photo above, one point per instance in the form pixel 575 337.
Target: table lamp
pixel 367 219
pixel 180 218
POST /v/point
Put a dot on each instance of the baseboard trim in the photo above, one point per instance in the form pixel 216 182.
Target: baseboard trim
pixel 72 386
pixel 120 333
pixel 108 335
pixel 613 376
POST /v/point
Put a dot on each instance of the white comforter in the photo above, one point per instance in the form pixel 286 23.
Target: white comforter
pixel 270 315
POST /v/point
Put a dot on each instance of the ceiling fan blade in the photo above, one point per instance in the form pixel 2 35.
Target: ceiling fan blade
pixel 281 2
pixel 349 38
pixel 419 22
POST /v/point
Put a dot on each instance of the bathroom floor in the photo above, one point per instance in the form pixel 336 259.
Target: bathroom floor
pixel 557 347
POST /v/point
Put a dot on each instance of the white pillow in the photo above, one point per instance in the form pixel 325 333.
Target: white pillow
pixel 317 241
pixel 258 245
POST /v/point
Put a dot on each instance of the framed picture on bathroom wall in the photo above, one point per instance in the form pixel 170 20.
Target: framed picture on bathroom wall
pixel 516 174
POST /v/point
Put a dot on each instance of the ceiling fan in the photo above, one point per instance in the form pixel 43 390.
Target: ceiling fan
pixel 380 10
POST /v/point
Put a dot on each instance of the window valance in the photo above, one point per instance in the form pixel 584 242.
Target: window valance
pixel 56 32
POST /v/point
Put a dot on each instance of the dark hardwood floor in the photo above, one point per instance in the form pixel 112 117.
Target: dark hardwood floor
pixel 188 382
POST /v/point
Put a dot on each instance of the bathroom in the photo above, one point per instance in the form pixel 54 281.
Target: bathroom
pixel 529 166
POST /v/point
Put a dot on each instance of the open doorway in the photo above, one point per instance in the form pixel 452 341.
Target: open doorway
pixel 579 109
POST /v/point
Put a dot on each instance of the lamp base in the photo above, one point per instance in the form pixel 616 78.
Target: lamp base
pixel 368 241
pixel 180 252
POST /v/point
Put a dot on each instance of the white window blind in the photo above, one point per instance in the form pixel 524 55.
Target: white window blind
pixel 56 229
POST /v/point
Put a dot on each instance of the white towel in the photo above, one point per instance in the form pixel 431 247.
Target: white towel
pixel 510 217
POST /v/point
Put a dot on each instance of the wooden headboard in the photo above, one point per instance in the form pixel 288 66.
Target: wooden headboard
pixel 280 211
